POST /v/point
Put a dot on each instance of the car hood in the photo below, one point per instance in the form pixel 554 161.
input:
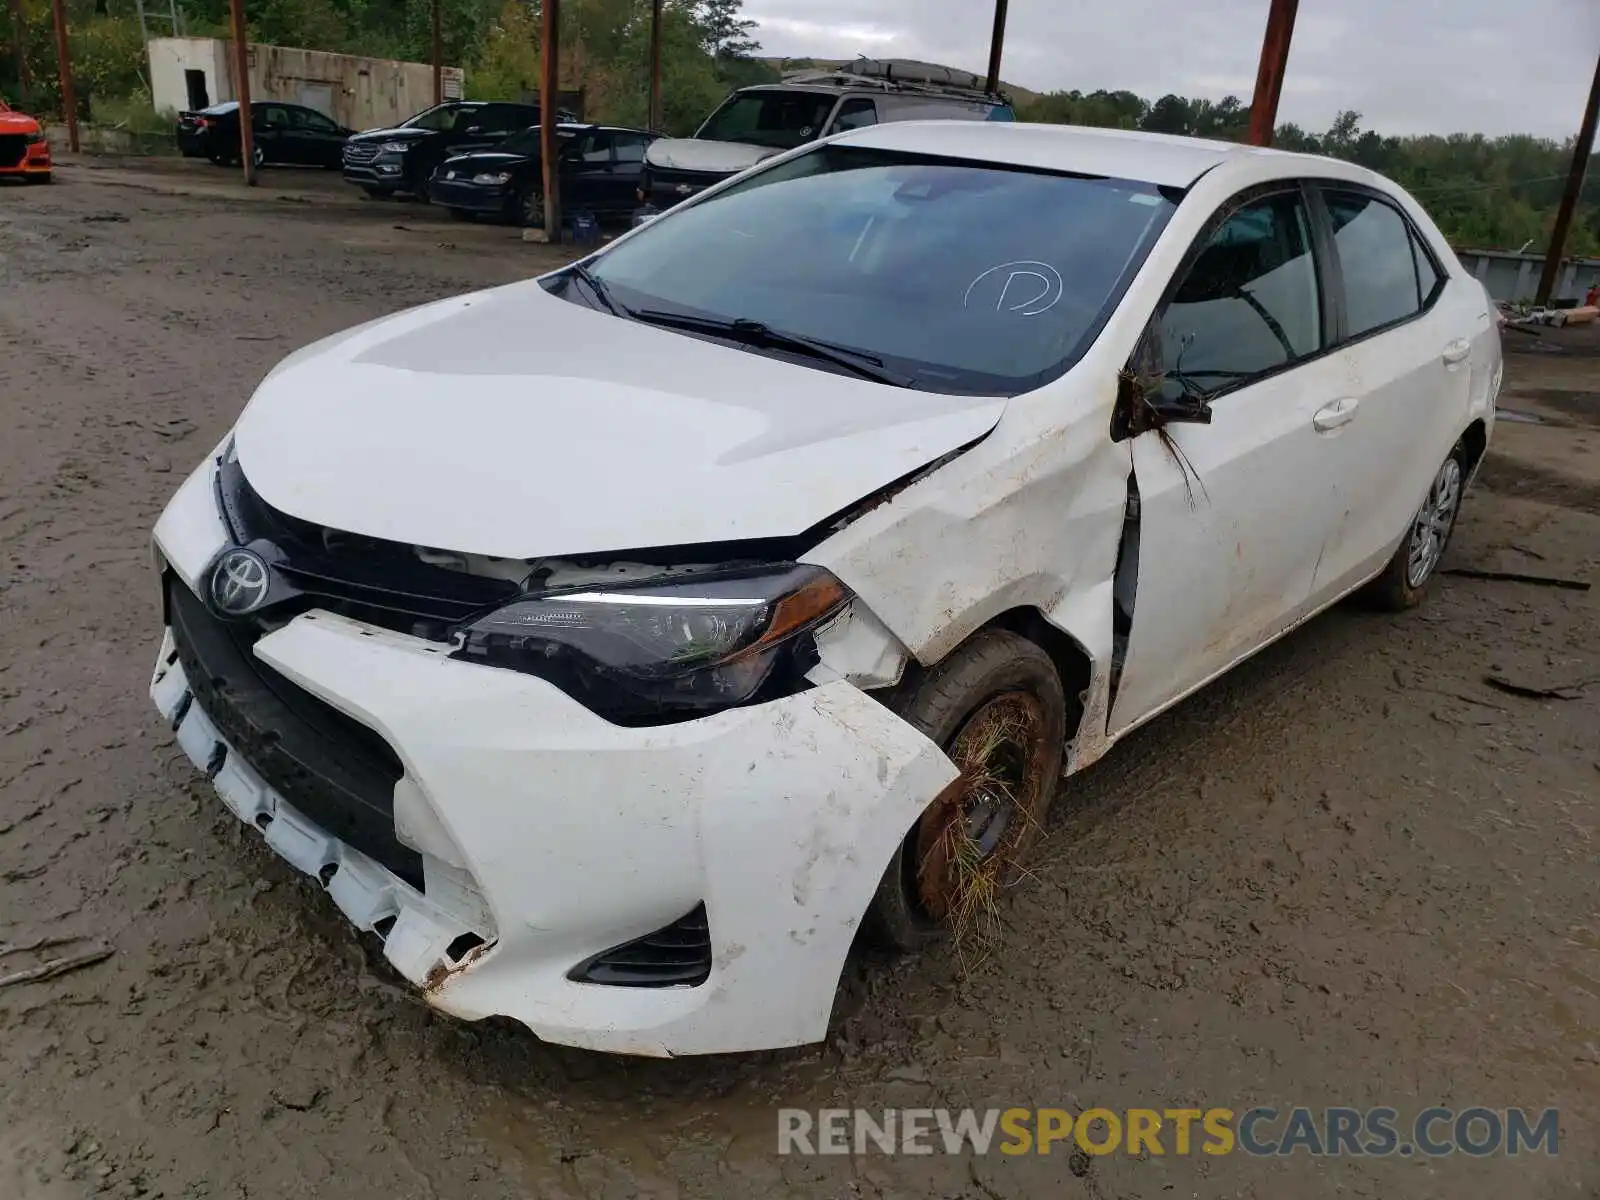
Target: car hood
pixel 483 161
pixel 692 154
pixel 15 122
pixel 515 424
pixel 390 135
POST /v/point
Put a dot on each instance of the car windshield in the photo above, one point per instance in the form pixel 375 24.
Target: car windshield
pixel 782 119
pixel 527 142
pixel 965 277
pixel 440 119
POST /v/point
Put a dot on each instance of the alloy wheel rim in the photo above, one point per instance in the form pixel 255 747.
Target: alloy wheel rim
pixel 1431 528
pixel 533 209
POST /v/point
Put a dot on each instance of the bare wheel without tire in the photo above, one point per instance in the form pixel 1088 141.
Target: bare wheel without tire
pixel 1405 580
pixel 997 707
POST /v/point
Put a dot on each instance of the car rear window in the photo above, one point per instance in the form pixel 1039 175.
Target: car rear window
pixel 971 278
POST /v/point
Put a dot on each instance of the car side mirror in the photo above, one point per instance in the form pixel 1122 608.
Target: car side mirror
pixel 1144 402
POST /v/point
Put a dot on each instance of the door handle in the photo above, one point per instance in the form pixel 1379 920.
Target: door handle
pixel 1457 350
pixel 1331 416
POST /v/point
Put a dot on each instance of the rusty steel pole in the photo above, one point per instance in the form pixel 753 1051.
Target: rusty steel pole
pixel 549 101
pixel 241 87
pixel 997 45
pixel 69 99
pixel 1269 74
pixel 438 56
pixel 19 30
pixel 655 118
pixel 1569 199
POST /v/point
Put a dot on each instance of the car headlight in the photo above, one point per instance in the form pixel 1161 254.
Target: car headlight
pixel 493 178
pixel 394 148
pixel 668 649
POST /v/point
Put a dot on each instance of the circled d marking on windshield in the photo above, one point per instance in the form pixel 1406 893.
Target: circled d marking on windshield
pixel 1027 276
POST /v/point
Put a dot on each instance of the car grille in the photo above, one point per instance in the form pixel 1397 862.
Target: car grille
pixel 367 579
pixel 334 770
pixel 676 955
pixel 360 153
pixel 12 147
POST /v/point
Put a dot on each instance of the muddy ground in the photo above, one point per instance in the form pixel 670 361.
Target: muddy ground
pixel 1351 873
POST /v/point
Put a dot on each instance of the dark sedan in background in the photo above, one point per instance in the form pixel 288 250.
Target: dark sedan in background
pixel 284 133
pixel 600 166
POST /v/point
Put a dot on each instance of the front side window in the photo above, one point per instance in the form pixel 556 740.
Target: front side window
pixel 631 147
pixel 1248 306
pixel 964 277
pixel 781 119
pixel 1377 259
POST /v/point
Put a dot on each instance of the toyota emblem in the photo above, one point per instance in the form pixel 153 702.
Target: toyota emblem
pixel 239 583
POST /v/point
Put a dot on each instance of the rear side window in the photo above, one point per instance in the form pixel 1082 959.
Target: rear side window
pixel 1379 261
pixel 855 114
pixel 1249 305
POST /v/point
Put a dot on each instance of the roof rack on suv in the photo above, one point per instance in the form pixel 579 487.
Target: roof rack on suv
pixel 900 75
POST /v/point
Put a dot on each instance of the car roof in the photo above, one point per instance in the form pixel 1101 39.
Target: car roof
pixel 1164 159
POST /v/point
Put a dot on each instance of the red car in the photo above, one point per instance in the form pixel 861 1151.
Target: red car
pixel 24 152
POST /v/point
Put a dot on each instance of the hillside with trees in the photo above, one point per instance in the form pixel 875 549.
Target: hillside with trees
pixel 1485 192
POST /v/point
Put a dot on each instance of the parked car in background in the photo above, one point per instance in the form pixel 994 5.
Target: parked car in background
pixel 24 149
pixel 383 162
pixel 285 134
pixel 621 645
pixel 600 167
pixel 755 123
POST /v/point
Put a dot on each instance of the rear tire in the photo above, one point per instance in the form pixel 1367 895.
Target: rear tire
pixel 1405 580
pixel 529 210
pixel 994 669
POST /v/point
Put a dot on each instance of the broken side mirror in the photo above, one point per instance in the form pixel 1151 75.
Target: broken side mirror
pixel 1150 396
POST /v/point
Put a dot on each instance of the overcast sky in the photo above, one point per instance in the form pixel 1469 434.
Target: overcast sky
pixel 1408 66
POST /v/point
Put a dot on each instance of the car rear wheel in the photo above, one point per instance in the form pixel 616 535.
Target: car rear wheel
pixel 997 708
pixel 1405 580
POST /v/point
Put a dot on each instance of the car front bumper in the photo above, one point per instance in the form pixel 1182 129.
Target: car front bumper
pixel 547 835
pixel 32 158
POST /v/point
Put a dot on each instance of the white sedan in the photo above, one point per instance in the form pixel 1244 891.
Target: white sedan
pixel 622 645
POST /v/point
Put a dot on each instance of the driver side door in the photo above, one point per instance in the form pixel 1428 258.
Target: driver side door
pixel 1232 515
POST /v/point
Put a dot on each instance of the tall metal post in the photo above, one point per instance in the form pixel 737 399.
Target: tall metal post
pixel 655 118
pixel 438 56
pixel 69 98
pixel 997 44
pixel 1269 74
pixel 1569 199
pixel 19 33
pixel 241 87
pixel 549 101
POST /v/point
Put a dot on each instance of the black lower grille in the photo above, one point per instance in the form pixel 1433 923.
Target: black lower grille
pixel 676 955
pixel 334 770
pixel 12 147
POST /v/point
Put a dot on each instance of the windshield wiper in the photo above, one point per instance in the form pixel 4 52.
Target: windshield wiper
pixel 758 333
pixel 600 290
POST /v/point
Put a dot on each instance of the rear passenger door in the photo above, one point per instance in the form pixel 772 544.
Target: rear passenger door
pixel 1405 353
pixel 586 180
pixel 270 125
pixel 1232 516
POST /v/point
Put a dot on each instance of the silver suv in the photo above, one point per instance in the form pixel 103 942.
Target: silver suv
pixel 755 123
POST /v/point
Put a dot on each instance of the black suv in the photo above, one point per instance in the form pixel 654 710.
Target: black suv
pixel 755 123
pixel 385 161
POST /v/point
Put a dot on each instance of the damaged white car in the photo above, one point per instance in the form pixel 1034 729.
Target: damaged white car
pixel 620 645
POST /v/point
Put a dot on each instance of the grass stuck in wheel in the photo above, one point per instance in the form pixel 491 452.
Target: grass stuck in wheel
pixel 968 844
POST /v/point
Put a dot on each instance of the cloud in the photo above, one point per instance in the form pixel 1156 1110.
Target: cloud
pixel 1408 66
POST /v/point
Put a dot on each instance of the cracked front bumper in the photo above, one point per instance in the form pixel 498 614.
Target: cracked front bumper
pixel 548 835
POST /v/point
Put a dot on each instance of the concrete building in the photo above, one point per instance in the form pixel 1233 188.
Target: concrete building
pixel 360 93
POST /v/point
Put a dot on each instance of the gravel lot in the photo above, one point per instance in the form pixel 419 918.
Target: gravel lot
pixel 1351 873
